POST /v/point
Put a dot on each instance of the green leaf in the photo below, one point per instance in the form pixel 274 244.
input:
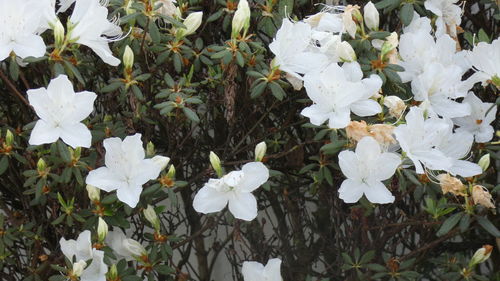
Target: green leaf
pixel 449 223
pixel 386 3
pixel 276 90
pixel 190 114
pixel 333 147
pixel 483 37
pixel 488 226
pixel 164 269
pixel 4 164
pixel 63 151
pixel 111 87
pixel 379 34
pixel 215 16
pixel 258 90
pixel 154 32
pixel 406 13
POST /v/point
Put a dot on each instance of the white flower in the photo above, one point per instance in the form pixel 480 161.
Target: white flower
pixel 90 26
pixel 61 111
pixel 126 169
pixel 82 250
pixel 168 8
pixel 19 25
pixel 448 16
pixel 336 91
pixel 192 22
pixel 365 170
pixel 371 16
pixel 291 46
pixel 254 271
pixel 123 247
pixel 241 18
pixel 327 22
pixel 478 122
pixel 486 60
pixel 418 139
pixel 234 188
pixel 437 86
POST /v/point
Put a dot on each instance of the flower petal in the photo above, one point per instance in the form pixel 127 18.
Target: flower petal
pixel 68 247
pixel 243 205
pixel 209 200
pixel 43 133
pixel 83 106
pixel 29 45
pixel 316 113
pixel 39 99
pixel 115 156
pixel 103 178
pixel 252 271
pixel 350 191
pixel 255 174
pixel 376 192
pixel 348 163
pixel 366 108
pixel 76 135
pixel 272 270
pixel 60 91
pixel 386 166
pixel 97 270
pixel 129 195
pixel 465 168
pixel 132 146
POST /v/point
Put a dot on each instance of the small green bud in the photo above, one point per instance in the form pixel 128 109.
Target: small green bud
pixel 171 172
pixel 150 149
pixel 484 162
pixel 9 138
pixel 112 272
pixel 102 230
pixel 152 218
pixel 481 255
pixel 128 58
pixel 59 33
pixel 260 151
pixel 93 193
pixel 215 161
pixel 41 166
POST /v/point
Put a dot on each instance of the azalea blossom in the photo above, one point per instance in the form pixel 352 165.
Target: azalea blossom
pixel 234 188
pixel 437 87
pixel 485 58
pixel 478 122
pixel 61 111
pixel 418 139
pixel 90 26
pixel 123 247
pixel 293 50
pixel 448 16
pixel 338 90
pixel 255 271
pixel 365 170
pixel 82 250
pixel 126 169
pixel 326 22
pixel 20 23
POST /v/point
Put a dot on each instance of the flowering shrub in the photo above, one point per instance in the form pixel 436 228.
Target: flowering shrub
pixel 249 140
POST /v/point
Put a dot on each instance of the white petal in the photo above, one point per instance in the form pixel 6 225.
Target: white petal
pixel 350 191
pixel 96 271
pixel 352 71
pixel 39 99
pixel 132 146
pixel 272 270
pixel 129 195
pixel 368 149
pixel 76 135
pixel 84 246
pixel 450 109
pixel 83 104
pixel 465 168
pixel 68 247
pixel 43 133
pixel 485 134
pixel 243 205
pixel 146 170
pixel 387 163
pixel 29 45
pixel 366 108
pixel 252 271
pixel 316 113
pixel 101 48
pixel 376 192
pixel 348 163
pixel 255 175
pixel 209 200
pixel 115 157
pixel 60 91
pixel 340 118
pixel 103 178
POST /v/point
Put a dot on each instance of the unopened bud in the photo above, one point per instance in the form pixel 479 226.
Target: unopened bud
pixel 134 248
pixel 102 230
pixel 93 193
pixel 215 161
pixel 78 268
pixel 150 149
pixel 171 172
pixel 346 52
pixel 241 19
pixel 481 255
pixel 112 273
pixel 58 33
pixel 484 162
pixel 152 217
pixel 260 151
pixel 9 138
pixel 192 22
pixel 41 166
pixel 371 16
pixel 128 58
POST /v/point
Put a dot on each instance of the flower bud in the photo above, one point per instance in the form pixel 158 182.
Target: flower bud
pixel 150 149
pixel 192 22
pixel 346 52
pixel 161 161
pixel 167 8
pixel 78 268
pixel 134 248
pixel 102 229
pixel 58 33
pixel 482 196
pixel 128 7
pixel 9 138
pixel 395 105
pixel 128 58
pixel 171 172
pixel 41 166
pixel 112 273
pixel 484 162
pixel 371 16
pixel 93 193
pixel 215 161
pixel 241 19
pixel 152 218
pixel 260 151
pixel 481 255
